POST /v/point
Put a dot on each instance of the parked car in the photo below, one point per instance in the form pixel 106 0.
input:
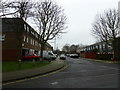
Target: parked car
pixel 68 55
pixel 52 55
pixel 74 55
pixel 48 55
pixel 62 57
pixel 30 57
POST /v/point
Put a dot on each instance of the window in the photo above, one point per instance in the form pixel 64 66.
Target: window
pixel 24 26
pixel 96 46
pixel 40 45
pixel 22 44
pixel 27 40
pixel 24 38
pixel 36 35
pixel 100 46
pixel 103 45
pixel 92 47
pixel 27 29
pixel 2 37
pixel 89 48
pixel 36 43
pixel 32 32
pixel 31 41
pixel 31 51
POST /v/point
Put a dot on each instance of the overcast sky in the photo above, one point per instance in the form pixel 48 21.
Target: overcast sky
pixel 80 16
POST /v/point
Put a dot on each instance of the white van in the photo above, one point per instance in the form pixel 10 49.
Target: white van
pixel 48 55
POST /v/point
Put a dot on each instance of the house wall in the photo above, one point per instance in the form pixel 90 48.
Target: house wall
pixel 19 38
pixel 11 47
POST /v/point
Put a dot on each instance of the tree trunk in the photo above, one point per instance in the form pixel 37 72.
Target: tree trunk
pixel 42 48
pixel 115 50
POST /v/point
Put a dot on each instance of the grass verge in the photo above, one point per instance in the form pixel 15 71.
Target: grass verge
pixel 14 66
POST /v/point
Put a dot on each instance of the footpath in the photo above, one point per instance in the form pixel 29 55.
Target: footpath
pixel 103 61
pixel 23 74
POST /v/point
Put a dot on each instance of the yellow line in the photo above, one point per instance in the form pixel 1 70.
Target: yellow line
pixel 18 81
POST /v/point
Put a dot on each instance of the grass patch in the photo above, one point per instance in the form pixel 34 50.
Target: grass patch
pixel 14 66
pixel 0 66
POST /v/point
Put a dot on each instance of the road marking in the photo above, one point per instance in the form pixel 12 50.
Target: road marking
pixel 93 76
pixel 106 75
pixel 83 71
pixel 54 83
pixel 18 81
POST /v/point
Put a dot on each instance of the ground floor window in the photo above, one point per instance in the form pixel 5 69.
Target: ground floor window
pixel 25 52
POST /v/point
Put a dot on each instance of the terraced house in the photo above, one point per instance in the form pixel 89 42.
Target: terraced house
pixel 19 38
pixel 101 50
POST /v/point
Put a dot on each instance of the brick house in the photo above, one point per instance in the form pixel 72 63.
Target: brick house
pixel 18 39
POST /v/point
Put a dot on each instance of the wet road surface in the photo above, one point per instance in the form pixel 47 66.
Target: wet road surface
pixel 81 73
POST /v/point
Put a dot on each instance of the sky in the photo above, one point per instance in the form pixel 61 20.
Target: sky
pixel 80 16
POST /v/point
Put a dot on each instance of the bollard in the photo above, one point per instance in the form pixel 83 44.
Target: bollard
pixel 19 64
pixel 112 59
pixel 33 62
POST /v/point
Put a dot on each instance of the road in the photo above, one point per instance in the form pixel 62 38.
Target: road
pixel 81 73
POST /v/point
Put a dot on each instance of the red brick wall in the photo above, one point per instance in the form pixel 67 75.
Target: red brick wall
pixel 10 55
pixel 90 55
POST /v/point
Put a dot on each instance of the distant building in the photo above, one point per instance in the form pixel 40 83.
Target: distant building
pixel 101 50
pixel 19 38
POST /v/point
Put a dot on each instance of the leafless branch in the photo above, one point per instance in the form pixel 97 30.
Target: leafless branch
pixel 105 26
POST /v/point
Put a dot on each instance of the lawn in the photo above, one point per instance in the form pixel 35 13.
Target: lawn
pixel 14 66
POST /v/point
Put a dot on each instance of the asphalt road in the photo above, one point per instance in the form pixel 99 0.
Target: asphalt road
pixel 80 73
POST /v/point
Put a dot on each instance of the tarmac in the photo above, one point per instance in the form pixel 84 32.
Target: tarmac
pixel 103 61
pixel 28 73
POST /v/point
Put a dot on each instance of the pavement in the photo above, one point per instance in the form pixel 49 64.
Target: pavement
pixel 23 74
pixel 103 61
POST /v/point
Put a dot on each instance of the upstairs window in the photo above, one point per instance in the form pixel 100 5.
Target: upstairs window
pixel 39 45
pixel 24 39
pixel 25 27
pixel 27 40
pixel 103 45
pixel 31 41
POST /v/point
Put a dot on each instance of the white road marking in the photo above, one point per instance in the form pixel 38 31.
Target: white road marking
pixel 91 70
pixel 54 83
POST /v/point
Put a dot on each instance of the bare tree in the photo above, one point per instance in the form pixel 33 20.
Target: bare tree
pixel 19 8
pixel 105 27
pixel 72 48
pixel 50 20
pixel 66 48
